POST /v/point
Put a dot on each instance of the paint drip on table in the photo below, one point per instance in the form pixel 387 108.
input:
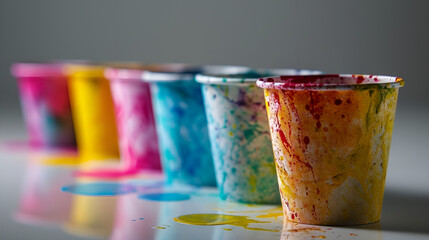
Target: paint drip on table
pixel 145 190
pixel 221 219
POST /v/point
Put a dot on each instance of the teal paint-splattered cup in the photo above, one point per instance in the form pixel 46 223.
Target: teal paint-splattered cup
pixel 181 123
pixel 240 136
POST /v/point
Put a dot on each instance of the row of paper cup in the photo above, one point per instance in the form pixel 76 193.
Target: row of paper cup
pixel 208 125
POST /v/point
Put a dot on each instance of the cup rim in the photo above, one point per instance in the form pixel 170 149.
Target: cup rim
pixel 329 82
pixel 37 69
pixel 187 72
pixel 130 72
pixel 250 77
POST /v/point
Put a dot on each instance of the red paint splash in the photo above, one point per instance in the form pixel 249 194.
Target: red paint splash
pixel 315 111
pixel 299 79
pixel 314 211
pixel 306 140
pixel 338 102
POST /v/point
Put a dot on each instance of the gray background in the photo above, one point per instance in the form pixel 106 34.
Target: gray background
pixel 374 37
pixel 336 36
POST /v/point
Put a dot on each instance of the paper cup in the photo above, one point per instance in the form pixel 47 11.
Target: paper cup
pixel 240 137
pixel 93 113
pixel 138 140
pixel 45 104
pixel 181 123
pixel 331 137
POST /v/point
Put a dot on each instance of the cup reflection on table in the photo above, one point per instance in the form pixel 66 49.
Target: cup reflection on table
pixel 134 218
pixel 91 216
pixel 42 201
pixel 303 231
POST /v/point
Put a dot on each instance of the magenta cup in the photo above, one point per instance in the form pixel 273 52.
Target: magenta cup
pixel 45 104
pixel 138 141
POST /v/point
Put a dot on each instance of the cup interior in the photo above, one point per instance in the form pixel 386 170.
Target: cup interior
pixel 180 72
pixel 248 77
pixel 328 81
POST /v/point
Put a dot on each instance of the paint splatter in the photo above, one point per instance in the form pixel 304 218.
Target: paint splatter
pixel 221 219
pixel 61 160
pixel 107 173
pixel 99 189
pixel 227 229
pixel 353 234
pixel 271 215
pixel 160 227
pixel 305 229
pixel 321 236
pixel 240 139
pixel 165 197
pixel 310 128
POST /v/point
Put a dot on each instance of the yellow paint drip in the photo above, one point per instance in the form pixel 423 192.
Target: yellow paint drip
pixel 220 219
pixel 161 227
pixel 61 160
pixel 271 215
pixel 227 229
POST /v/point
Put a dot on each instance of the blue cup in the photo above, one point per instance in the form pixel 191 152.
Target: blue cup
pixel 181 123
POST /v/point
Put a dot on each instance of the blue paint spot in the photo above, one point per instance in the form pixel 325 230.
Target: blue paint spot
pixel 205 194
pixel 99 189
pixel 142 186
pixel 134 220
pixel 165 196
pixel 141 218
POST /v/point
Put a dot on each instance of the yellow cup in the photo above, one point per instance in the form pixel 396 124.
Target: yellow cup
pixel 93 113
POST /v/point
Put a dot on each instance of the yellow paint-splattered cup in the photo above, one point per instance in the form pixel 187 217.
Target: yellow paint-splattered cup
pixel 331 138
pixel 93 113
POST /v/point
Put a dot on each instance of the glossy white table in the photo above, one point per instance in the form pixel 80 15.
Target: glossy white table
pixel 50 213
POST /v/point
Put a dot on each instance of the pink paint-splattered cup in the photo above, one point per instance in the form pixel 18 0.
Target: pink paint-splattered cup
pixel 45 104
pixel 138 141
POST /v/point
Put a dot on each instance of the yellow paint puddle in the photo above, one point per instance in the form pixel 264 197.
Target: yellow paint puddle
pixel 61 160
pixel 221 219
pixel 271 215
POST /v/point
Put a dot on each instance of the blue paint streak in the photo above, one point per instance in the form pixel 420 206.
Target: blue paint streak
pixel 165 197
pixel 99 189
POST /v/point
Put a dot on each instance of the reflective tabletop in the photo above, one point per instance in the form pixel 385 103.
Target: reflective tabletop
pixel 42 197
